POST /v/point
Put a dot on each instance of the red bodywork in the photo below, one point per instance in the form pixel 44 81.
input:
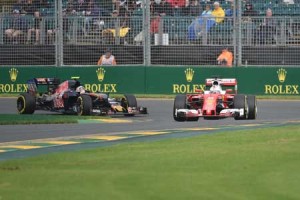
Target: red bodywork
pixel 207 103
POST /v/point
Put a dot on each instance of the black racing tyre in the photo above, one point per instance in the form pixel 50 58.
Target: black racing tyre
pixel 26 103
pixel 84 105
pixel 179 103
pixel 240 102
pixel 130 101
pixel 252 106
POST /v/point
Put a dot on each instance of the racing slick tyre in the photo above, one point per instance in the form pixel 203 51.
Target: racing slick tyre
pixel 25 103
pixel 240 102
pixel 179 103
pixel 252 106
pixel 84 105
pixel 130 101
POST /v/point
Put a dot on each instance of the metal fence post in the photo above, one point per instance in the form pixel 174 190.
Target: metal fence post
pixel 146 32
pixel 59 33
pixel 238 11
pixel 160 31
pixel 117 28
pixel 42 33
pixel 1 30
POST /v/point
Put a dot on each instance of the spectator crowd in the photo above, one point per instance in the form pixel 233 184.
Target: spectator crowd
pixel 26 22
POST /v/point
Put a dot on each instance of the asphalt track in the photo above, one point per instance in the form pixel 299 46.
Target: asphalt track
pixel 159 118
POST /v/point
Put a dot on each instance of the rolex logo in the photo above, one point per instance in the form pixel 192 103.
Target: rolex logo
pixel 100 74
pixel 281 75
pixel 13 73
pixel 189 74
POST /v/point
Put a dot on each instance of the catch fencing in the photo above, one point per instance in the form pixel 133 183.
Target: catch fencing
pixel 59 33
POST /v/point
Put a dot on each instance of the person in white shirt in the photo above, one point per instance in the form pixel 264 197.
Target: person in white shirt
pixel 107 59
pixel 289 1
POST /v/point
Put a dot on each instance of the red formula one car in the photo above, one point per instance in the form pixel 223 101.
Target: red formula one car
pixel 215 103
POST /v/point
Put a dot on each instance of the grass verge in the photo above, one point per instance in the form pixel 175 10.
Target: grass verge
pixel 249 164
pixel 12 119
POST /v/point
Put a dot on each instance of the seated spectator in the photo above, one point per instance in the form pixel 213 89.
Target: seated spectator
pixel 155 23
pixel 50 30
pixel 218 13
pixel 193 9
pixel 18 5
pixel 225 58
pixel 162 7
pixel 40 4
pixel 107 59
pixel 29 7
pixel 177 6
pixel 81 6
pixel 132 5
pixel 111 27
pixel 269 21
pixel 17 27
pixel 249 11
pixel 288 1
pixel 177 3
pixel 72 8
pixel 91 11
pixel 35 29
pixel 267 29
pixel 196 27
pixel 229 11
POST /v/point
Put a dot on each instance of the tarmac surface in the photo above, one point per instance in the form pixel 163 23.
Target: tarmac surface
pixel 159 118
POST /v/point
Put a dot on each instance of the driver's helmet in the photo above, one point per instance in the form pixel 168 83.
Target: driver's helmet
pixel 215 88
pixel 80 90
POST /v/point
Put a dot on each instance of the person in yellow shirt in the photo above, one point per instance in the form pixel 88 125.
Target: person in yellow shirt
pixel 218 12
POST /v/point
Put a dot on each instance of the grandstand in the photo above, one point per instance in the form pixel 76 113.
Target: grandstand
pixel 89 26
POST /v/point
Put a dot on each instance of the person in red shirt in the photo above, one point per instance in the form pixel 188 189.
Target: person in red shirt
pixel 177 3
pixel 155 22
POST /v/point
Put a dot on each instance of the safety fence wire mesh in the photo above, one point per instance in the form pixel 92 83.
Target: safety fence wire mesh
pixel 159 32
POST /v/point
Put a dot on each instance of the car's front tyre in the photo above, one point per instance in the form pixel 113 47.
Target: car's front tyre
pixel 84 105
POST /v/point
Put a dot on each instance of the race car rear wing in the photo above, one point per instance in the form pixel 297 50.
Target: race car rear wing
pixel 35 82
pixel 228 82
pixel 45 81
pixel 222 82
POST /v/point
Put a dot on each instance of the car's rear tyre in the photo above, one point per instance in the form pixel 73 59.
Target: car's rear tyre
pixel 179 103
pixel 84 105
pixel 25 103
pixel 130 101
pixel 240 102
pixel 252 106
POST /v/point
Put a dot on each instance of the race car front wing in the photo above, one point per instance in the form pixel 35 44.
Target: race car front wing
pixel 233 112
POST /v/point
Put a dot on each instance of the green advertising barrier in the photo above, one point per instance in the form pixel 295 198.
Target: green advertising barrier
pixel 255 80
pixel 13 79
pixel 269 81
pixel 158 80
pixel 174 80
pixel 108 79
